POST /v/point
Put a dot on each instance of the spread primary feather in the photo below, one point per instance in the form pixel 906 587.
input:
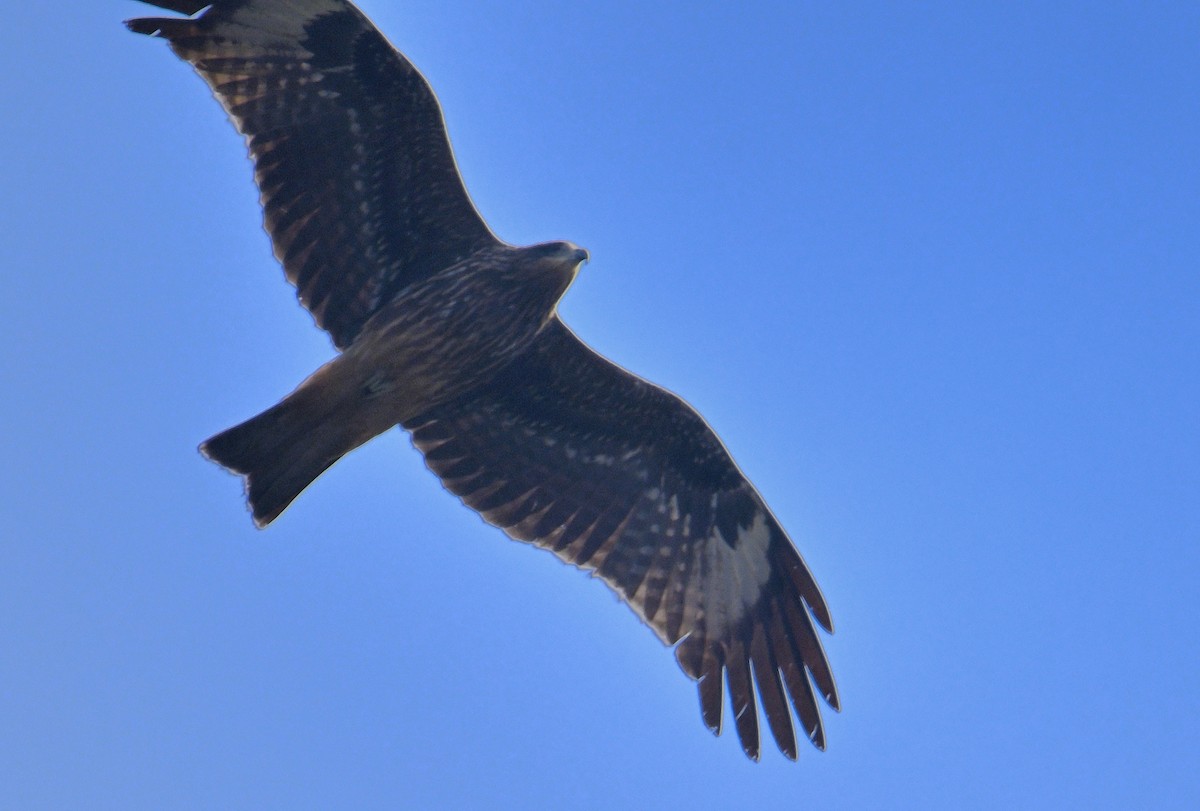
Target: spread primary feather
pixel 453 334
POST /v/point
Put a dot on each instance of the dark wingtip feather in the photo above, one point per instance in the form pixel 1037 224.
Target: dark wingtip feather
pixel 818 737
pixel 788 560
pixel 710 693
pixel 827 685
pixel 741 698
pixel 833 699
pixel 690 655
pixel 165 27
pixel 144 25
pixel 770 691
pixel 820 612
pixel 710 704
pixel 182 6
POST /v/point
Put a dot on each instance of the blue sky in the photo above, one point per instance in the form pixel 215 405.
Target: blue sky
pixel 930 269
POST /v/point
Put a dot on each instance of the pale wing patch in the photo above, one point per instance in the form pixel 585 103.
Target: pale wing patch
pixel 736 576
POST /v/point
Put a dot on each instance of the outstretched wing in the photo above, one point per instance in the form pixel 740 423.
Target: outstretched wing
pixel 613 474
pixel 359 187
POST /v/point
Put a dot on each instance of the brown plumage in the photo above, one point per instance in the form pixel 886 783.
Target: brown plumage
pixel 453 334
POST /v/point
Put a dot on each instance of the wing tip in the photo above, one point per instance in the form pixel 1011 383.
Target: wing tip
pixel 188 7
pixel 709 685
pixel 833 699
pixel 169 27
pixel 820 611
pixel 148 26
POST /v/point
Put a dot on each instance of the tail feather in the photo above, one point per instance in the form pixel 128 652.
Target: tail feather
pixel 284 449
pixel 279 453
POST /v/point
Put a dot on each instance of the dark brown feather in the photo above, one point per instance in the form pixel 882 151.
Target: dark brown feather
pixel 710 690
pixel 770 692
pixel 360 192
pixel 741 698
pixel 548 440
pixel 573 454
pixel 182 6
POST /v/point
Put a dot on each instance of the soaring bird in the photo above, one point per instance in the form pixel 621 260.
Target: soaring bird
pixel 453 334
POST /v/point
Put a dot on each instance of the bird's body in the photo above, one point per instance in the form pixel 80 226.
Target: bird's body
pixel 453 334
pixel 430 344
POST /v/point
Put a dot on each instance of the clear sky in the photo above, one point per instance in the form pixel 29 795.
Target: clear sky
pixel 930 269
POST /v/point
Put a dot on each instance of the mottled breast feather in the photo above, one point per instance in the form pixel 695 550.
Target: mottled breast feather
pixel 570 452
pixel 360 192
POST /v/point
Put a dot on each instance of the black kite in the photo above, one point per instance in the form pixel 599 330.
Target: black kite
pixel 453 334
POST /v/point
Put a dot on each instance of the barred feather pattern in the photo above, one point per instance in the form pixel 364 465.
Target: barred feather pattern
pixel 360 192
pixel 542 436
pixel 614 475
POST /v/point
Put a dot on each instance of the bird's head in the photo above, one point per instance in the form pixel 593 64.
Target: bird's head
pixel 555 262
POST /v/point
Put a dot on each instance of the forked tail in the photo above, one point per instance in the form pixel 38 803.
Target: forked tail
pixel 281 451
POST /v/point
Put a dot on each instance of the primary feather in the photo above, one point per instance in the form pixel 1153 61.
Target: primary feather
pixel 453 334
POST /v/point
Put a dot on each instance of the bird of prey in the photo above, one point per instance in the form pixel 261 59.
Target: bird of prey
pixel 453 334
